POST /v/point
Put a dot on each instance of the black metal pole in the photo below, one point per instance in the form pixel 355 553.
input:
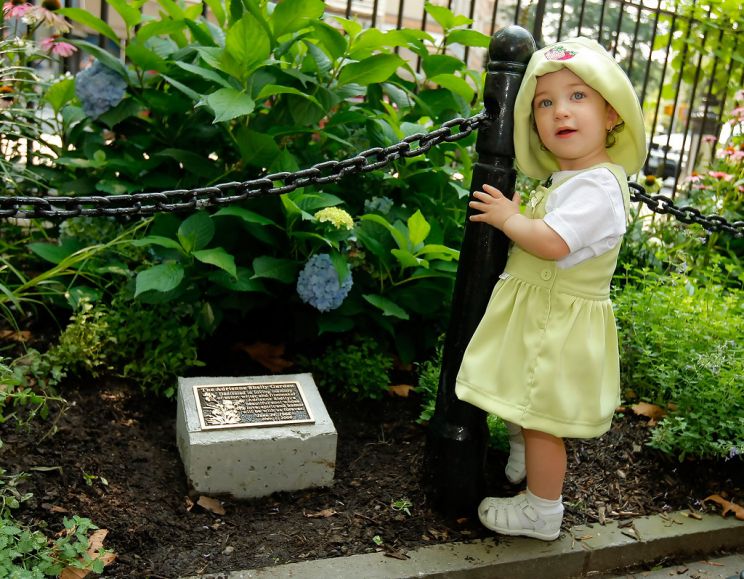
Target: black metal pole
pixel 457 434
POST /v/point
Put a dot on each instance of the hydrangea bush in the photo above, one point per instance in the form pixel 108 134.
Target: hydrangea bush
pixel 195 104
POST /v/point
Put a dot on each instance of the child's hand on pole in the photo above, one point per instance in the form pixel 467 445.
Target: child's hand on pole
pixel 495 209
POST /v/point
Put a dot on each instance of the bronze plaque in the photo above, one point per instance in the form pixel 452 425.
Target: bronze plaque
pixel 251 404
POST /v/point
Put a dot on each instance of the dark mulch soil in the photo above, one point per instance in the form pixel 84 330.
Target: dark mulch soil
pixel 113 433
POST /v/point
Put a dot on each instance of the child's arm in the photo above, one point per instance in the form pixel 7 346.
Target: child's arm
pixel 532 235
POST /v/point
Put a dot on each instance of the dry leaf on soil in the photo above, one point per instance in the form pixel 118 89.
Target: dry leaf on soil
pixel 268 355
pixel 95 543
pixel 324 514
pixel 652 411
pixel 395 553
pixel 211 505
pixel 402 390
pixel 54 508
pixel 16 336
pixel 728 506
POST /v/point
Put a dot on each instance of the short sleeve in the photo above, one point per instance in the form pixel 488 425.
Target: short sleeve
pixel 588 212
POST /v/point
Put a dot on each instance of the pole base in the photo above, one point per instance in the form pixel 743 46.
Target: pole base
pixel 455 465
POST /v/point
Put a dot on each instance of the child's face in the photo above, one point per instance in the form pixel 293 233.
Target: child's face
pixel 572 120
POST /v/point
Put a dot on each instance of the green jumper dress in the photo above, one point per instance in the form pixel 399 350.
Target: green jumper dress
pixel 545 354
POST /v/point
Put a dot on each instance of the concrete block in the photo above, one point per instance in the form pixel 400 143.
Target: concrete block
pixel 254 461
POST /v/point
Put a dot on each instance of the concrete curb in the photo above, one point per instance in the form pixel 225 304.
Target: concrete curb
pixel 582 551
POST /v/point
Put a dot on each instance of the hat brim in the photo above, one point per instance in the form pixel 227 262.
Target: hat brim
pixel 594 65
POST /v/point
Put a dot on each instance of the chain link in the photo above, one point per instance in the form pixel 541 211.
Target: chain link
pixel 226 193
pixel 663 205
pixel 181 200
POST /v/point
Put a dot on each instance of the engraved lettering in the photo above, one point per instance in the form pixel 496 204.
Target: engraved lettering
pixel 259 404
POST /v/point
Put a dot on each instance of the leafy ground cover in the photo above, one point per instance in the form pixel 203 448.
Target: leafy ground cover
pixel 114 459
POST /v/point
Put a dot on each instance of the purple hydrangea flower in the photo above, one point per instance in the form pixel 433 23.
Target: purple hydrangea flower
pixel 99 89
pixel 318 285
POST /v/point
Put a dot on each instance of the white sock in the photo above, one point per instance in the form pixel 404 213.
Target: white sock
pixel 515 470
pixel 545 507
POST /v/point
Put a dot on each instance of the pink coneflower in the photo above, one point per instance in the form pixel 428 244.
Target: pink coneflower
pixel 16 8
pixel 730 154
pixel 44 14
pixel 709 138
pixel 725 152
pixel 54 45
pixel 721 175
pixel 738 114
pixel 694 178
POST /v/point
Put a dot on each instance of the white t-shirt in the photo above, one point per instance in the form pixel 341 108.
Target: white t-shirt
pixel 587 211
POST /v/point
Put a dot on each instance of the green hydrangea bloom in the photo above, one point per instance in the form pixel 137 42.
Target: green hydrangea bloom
pixel 337 217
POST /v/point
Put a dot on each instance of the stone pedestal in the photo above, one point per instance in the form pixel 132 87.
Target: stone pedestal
pixel 254 461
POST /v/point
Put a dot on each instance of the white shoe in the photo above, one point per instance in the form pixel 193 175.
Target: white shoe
pixel 516 516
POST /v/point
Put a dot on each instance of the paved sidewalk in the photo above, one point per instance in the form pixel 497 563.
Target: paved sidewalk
pixel 585 551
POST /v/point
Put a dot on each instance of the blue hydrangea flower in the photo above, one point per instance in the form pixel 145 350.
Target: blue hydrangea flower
pixel 318 285
pixel 99 89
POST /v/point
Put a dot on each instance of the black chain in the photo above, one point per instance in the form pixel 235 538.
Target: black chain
pixel 663 205
pixel 178 200
pixel 227 193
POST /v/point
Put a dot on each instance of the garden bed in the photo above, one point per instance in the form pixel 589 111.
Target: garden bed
pixel 114 459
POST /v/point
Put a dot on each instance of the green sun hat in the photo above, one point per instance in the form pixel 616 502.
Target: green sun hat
pixel 594 65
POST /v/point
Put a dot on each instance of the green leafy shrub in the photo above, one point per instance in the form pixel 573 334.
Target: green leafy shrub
pixel 157 344
pixel 151 346
pixel 428 382
pixel 10 495
pixel 681 345
pixel 662 244
pixel 26 553
pixel 358 369
pixel 81 268
pixel 21 403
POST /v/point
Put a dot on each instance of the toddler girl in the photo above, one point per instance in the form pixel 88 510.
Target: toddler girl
pixel 545 356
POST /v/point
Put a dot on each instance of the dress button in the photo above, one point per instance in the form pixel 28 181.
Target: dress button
pixel 546 274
